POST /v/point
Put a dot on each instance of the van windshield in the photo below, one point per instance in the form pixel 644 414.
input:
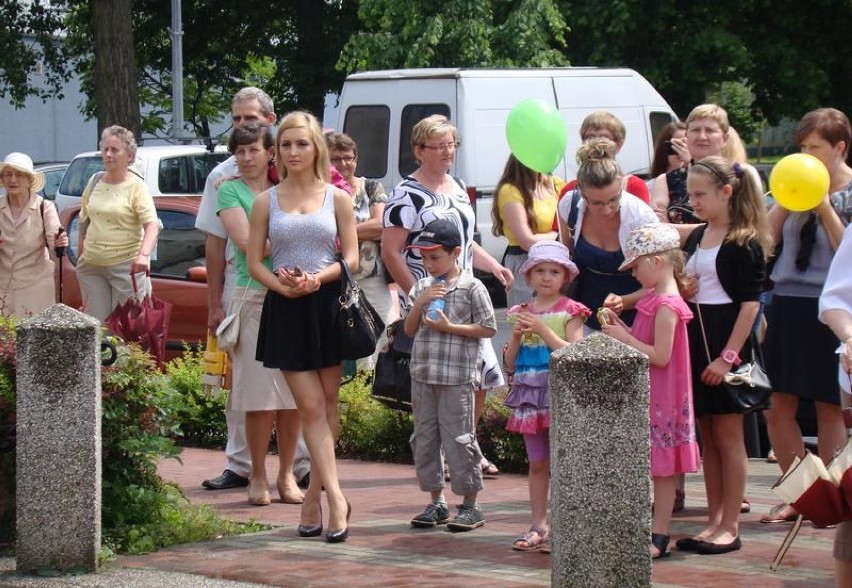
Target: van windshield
pixel 78 173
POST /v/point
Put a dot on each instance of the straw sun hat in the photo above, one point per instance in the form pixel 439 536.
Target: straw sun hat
pixel 22 163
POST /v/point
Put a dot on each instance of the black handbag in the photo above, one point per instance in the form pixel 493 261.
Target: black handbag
pixel 391 376
pixel 747 387
pixel 358 324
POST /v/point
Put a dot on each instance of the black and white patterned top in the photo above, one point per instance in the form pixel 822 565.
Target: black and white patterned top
pixel 412 206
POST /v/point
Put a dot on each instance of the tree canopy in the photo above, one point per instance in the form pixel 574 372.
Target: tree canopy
pixel 788 55
pixel 456 33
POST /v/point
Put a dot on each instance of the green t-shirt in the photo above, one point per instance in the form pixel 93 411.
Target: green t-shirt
pixel 235 194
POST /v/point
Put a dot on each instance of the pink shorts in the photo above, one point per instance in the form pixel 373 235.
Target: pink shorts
pixel 538 446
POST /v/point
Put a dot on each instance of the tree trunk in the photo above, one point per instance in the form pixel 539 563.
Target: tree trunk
pixel 116 94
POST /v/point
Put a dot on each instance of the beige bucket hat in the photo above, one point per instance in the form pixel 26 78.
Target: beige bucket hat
pixel 22 163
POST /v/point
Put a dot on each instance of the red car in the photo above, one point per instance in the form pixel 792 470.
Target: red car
pixel 178 273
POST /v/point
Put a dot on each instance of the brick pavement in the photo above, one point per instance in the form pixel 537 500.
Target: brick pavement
pixel 384 551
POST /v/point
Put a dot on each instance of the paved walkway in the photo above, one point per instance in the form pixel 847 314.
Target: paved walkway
pixel 384 551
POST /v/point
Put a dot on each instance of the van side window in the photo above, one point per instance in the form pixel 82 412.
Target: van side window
pixel 369 126
pixel 411 115
pixel 172 176
pixel 658 120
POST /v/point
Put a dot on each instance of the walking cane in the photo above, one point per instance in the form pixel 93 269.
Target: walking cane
pixel 60 252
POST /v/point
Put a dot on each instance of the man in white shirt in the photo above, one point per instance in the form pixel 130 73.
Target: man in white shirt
pixel 249 105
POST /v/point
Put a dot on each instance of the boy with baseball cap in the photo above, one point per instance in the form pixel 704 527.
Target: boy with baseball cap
pixel 443 365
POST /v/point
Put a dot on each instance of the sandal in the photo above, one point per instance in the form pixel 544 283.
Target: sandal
pixel 488 468
pixel 661 542
pixel 546 546
pixel 745 506
pixel 780 513
pixel 532 540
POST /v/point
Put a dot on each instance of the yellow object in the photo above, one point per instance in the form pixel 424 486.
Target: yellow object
pixel 799 182
pixel 215 366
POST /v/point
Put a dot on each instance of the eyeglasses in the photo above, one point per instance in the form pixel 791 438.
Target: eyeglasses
pixel 8 175
pixel 343 160
pixel 442 146
pixel 615 201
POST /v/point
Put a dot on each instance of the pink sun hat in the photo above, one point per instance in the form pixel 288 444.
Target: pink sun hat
pixel 552 251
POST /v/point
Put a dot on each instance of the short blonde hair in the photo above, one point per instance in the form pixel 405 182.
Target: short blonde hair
pixel 302 119
pixel 432 126
pixel 606 121
pixel 713 111
pixel 126 136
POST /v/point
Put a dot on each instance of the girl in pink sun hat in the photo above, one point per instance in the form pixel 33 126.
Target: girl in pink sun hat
pixel 548 322
pixel 653 254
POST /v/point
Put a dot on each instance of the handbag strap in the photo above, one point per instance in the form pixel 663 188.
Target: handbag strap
pixel 701 323
pixel 242 299
pixel 349 282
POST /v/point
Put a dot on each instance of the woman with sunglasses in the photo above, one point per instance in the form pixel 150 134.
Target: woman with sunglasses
pixel 799 349
pixel 594 221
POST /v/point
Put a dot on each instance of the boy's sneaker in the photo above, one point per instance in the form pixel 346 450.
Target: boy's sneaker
pixel 436 513
pixel 468 519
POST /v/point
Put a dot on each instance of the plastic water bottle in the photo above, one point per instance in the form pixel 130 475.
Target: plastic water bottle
pixel 438 303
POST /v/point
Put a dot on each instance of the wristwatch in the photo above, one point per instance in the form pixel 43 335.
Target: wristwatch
pixel 730 356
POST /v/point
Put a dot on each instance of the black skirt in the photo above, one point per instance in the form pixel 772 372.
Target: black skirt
pixel 799 350
pixel 719 321
pixel 298 334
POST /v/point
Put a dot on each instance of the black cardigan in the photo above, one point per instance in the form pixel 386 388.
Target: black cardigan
pixel 741 268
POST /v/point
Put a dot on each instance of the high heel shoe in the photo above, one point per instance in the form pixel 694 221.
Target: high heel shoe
pixel 311 530
pixel 340 535
pixel 258 493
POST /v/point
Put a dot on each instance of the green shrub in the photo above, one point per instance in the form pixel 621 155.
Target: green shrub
pixel 201 415
pixel 368 430
pixel 142 408
pixel 371 431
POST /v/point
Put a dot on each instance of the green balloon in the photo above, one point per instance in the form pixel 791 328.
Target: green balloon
pixel 537 135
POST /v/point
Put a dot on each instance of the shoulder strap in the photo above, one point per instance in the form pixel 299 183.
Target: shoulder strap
pixel 90 187
pixel 574 210
pixel 43 224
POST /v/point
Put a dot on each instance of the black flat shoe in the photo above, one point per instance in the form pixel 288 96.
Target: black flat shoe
pixel 687 544
pixel 340 535
pixel 661 542
pixel 228 479
pixel 705 548
pixel 311 530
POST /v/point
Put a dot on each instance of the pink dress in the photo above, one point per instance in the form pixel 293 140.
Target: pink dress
pixel 674 449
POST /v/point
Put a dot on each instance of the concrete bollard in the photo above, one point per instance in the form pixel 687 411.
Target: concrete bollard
pixel 59 441
pixel 600 465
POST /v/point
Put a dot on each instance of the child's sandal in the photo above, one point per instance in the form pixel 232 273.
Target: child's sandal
pixel 661 542
pixel 532 540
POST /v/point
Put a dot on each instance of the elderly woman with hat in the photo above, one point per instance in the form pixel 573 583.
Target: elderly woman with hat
pixel 29 231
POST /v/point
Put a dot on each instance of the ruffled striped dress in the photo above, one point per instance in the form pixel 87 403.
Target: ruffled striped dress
pixel 530 396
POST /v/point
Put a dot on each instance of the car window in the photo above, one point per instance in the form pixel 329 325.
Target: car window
pixel 369 126
pixel 185 174
pixel 52 178
pixel 411 115
pixel 78 173
pixel 180 245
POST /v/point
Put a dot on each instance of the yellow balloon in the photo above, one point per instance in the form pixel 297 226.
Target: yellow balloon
pixel 799 182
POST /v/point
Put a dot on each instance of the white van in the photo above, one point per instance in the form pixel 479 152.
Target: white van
pixel 171 170
pixel 379 108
